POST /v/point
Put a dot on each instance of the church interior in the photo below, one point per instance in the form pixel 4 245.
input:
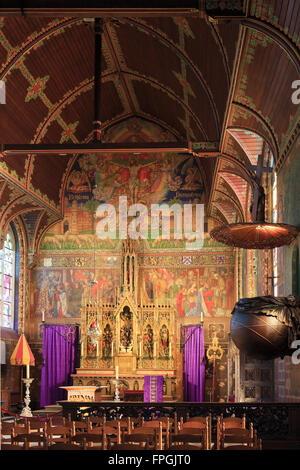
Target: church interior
pixel 150 225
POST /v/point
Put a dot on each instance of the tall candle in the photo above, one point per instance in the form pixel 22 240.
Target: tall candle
pixel 112 349
pixel 201 317
pixel 117 372
pixel 27 371
pixel 43 316
pixel 140 349
pixel 170 349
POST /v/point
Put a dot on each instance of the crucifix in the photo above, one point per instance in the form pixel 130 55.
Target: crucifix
pixel 257 208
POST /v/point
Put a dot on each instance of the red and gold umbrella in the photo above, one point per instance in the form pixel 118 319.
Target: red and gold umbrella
pixel 22 355
pixel 260 235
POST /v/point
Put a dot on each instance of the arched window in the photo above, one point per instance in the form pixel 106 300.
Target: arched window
pixel 7 280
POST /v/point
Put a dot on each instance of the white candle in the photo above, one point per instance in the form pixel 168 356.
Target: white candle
pixel 117 372
pixel 43 316
pixel 140 349
pixel 170 349
pixel 201 317
pixel 27 371
pixel 82 348
pixel 112 349
pixel 154 349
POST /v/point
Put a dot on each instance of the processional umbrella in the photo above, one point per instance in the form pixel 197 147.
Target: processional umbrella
pixel 258 234
pixel 22 356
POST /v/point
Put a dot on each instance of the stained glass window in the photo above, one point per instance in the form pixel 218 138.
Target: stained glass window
pixel 7 281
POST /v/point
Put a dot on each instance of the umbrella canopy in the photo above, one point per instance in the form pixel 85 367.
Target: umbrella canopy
pixel 259 235
pixel 22 354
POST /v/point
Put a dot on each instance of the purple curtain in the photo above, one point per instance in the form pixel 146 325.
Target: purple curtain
pixel 153 388
pixel 194 364
pixel 59 361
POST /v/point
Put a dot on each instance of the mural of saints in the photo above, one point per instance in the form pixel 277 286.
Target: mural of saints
pixel 208 290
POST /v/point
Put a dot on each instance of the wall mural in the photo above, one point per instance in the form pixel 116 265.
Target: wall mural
pixel 59 291
pixel 208 289
pixel 147 178
pixel 192 282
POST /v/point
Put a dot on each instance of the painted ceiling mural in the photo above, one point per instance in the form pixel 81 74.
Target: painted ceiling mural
pixel 176 88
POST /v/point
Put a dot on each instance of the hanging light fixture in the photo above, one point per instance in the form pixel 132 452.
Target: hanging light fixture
pixel 257 234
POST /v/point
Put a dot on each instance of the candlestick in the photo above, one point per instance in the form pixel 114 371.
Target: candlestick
pixel 27 410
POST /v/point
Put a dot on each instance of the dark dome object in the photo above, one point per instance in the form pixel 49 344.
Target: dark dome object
pixel 264 327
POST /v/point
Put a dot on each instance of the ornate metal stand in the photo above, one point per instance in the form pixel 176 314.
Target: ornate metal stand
pixel 117 396
pixel 27 410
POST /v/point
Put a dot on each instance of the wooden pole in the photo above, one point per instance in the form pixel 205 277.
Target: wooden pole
pixel 98 29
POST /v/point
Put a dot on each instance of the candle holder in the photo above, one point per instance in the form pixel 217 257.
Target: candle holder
pixel 27 410
pixel 117 395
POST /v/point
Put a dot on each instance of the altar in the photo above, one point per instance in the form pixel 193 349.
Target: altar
pixel 81 393
pixel 128 338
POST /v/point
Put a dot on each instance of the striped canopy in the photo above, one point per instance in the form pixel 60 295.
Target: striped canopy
pixel 22 354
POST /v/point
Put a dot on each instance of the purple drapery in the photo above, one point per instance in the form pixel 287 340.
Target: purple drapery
pixel 59 356
pixel 194 364
pixel 153 388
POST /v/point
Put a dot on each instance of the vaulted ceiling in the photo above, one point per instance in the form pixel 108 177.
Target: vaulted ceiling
pixel 217 77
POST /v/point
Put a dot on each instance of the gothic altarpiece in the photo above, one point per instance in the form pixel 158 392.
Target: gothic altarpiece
pixel 127 336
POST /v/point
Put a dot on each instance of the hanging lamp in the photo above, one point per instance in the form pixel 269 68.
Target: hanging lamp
pixel 257 234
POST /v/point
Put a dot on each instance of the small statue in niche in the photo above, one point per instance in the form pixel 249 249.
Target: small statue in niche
pixel 93 334
pixel 91 347
pixel 136 385
pixel 126 329
pixel 107 341
pixel 164 342
pixel 148 342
